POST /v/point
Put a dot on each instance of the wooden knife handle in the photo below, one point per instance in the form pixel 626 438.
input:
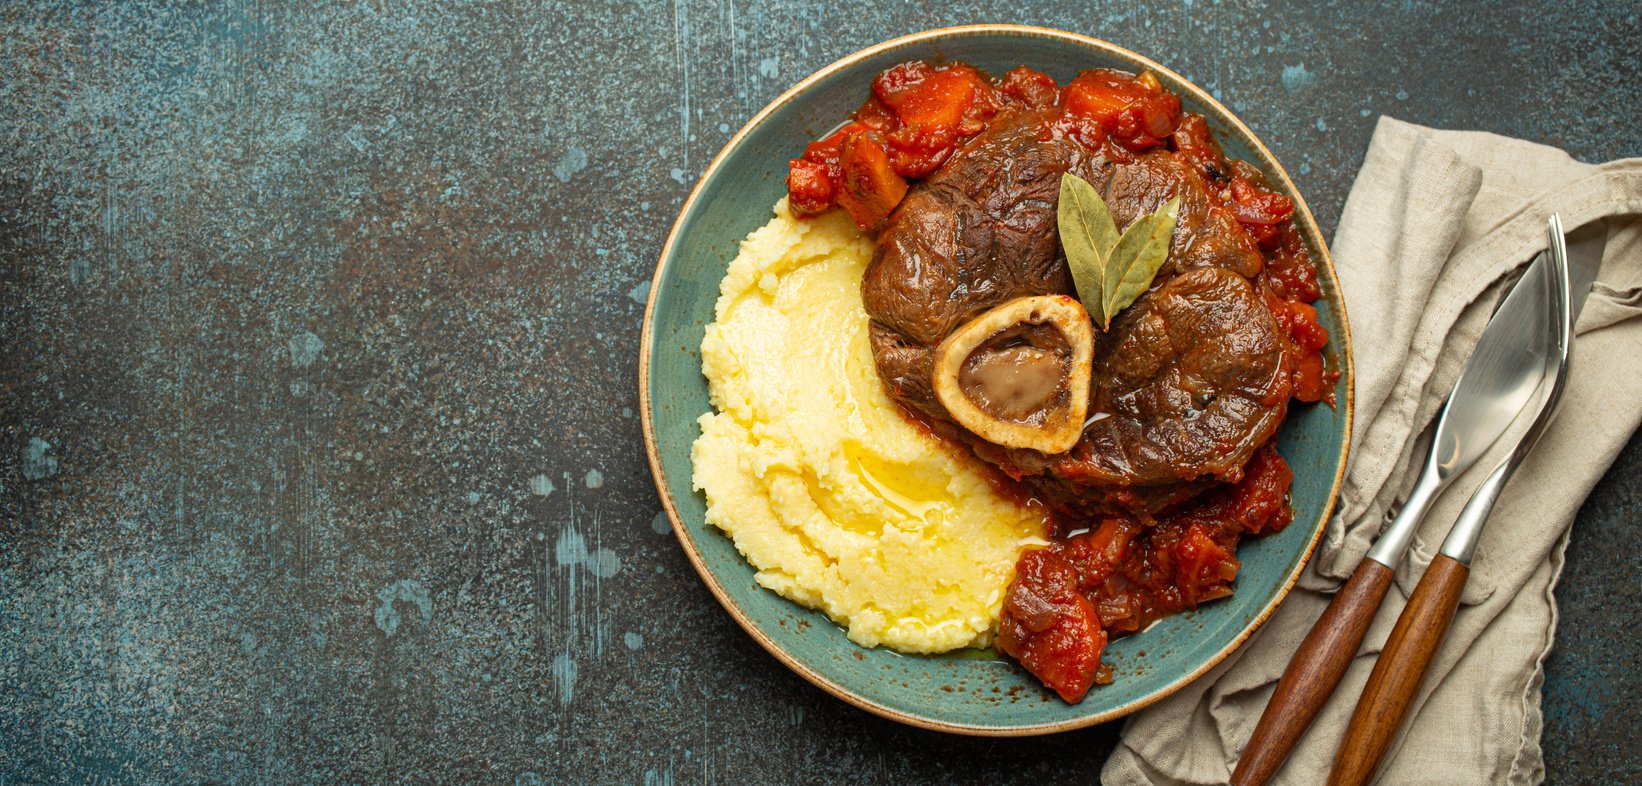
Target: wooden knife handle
pixel 1399 671
pixel 1312 674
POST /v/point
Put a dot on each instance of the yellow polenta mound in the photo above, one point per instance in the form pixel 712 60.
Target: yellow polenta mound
pixel 839 502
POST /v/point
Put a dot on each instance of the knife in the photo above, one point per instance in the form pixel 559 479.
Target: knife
pixel 1497 383
pixel 1408 652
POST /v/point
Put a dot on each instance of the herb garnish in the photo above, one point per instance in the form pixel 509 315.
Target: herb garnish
pixel 1110 270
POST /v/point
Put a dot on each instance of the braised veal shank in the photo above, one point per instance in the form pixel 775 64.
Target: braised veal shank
pixel 1189 381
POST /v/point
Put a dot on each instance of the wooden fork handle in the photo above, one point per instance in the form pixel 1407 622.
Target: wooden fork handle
pixel 1312 674
pixel 1399 671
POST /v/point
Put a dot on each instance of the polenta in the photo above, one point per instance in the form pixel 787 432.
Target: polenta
pixel 838 501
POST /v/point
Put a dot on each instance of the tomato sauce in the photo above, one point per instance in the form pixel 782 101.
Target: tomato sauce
pixel 1129 575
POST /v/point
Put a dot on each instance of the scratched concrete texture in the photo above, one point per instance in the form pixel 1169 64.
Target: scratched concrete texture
pixel 318 453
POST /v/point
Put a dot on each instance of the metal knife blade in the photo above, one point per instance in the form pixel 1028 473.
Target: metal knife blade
pixel 1501 376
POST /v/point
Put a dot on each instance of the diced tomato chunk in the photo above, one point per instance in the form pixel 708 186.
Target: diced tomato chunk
pixel 1193 140
pixel 1263 213
pixel 1099 553
pixel 809 187
pixel 1050 627
pixel 1289 270
pixel 1311 381
pixel 825 150
pixel 875 115
pixel 1028 88
pixel 1204 569
pixel 1259 502
pixel 1310 384
pixel 1133 111
pixel 1304 327
pixel 814 178
pixel 1253 204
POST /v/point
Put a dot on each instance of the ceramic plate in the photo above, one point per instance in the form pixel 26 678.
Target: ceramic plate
pixel 969 693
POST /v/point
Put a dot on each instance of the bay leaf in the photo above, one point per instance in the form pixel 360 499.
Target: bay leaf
pixel 1135 260
pixel 1087 235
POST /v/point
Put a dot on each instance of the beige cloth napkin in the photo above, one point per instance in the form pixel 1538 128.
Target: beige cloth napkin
pixel 1433 224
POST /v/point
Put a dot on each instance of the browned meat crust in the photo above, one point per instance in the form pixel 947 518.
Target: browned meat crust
pixel 1189 381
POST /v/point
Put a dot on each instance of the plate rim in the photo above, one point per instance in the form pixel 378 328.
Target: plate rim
pixel 686 540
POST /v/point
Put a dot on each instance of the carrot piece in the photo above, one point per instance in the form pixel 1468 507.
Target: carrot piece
pixel 871 187
pixel 940 100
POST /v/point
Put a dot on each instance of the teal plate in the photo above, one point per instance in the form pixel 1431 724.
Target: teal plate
pixel 969 693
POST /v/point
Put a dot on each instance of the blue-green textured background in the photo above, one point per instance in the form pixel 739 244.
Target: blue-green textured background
pixel 319 460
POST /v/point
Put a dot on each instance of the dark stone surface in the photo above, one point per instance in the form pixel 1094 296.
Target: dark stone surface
pixel 306 308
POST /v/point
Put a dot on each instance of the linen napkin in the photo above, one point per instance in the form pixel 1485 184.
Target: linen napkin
pixel 1434 225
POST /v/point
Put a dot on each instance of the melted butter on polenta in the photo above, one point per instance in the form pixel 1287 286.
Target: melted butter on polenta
pixel 837 500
